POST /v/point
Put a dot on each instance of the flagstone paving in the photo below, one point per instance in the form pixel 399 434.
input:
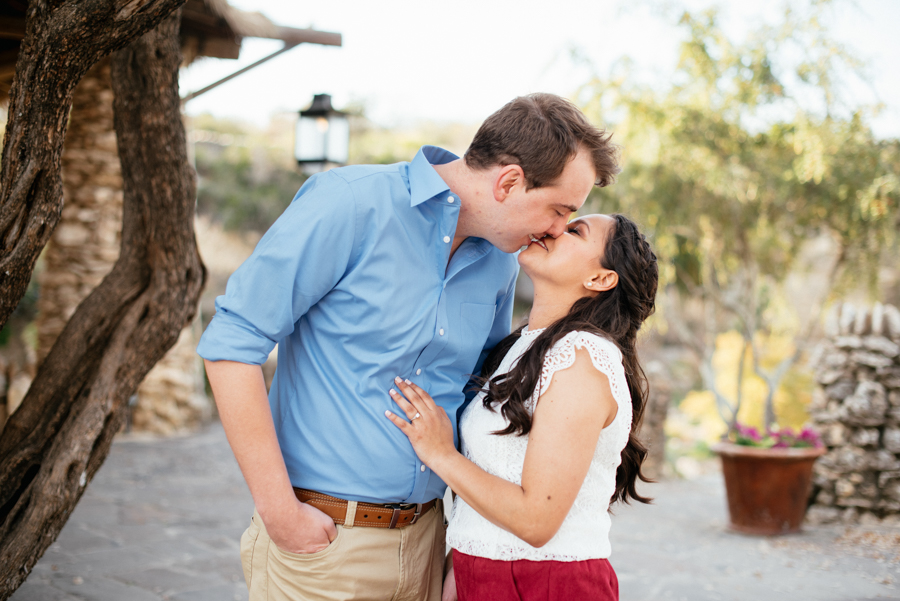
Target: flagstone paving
pixel 679 548
pixel 163 518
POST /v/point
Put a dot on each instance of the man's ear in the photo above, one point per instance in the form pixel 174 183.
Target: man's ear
pixel 506 180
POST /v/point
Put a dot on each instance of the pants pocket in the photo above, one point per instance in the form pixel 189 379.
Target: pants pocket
pixel 318 576
pixel 248 544
pixel 301 557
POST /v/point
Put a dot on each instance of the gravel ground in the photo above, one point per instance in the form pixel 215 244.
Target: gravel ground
pixel 163 518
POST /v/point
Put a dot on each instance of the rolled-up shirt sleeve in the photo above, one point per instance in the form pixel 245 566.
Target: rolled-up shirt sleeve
pixel 300 259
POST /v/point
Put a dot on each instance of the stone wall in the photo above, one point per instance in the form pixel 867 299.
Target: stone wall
pixel 652 432
pixel 857 411
pixel 85 243
pixel 172 398
pixel 16 374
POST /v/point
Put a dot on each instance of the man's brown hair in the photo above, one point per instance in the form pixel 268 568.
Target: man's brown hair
pixel 541 133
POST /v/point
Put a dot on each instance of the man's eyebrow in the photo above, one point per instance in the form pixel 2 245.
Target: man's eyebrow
pixel 570 208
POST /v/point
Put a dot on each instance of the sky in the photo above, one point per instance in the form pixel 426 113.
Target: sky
pixel 408 60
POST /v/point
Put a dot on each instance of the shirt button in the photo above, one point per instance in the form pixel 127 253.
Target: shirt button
pixel 447 239
pixel 450 199
pixel 418 372
pixel 422 469
pixel 441 331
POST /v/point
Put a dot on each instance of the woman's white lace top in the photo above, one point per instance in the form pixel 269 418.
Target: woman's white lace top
pixel 584 533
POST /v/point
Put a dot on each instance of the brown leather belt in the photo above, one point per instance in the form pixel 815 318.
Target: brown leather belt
pixel 389 515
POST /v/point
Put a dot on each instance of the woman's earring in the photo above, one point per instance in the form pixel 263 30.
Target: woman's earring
pixel 590 283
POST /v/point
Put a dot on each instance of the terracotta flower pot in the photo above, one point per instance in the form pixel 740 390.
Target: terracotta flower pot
pixel 767 488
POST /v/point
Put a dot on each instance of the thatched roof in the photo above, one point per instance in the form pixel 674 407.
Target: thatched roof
pixel 208 28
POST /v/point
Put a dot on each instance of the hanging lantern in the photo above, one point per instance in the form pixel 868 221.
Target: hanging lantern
pixel 323 136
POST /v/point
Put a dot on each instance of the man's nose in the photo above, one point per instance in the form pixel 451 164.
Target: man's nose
pixel 558 228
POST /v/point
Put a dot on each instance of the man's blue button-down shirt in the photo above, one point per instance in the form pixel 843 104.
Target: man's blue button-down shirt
pixel 353 284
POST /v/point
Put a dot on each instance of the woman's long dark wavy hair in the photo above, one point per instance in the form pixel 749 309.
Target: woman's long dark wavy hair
pixel 616 314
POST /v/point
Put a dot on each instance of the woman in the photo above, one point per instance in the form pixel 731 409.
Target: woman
pixel 550 441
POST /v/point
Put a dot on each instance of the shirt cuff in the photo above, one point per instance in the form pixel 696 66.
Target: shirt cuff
pixel 230 338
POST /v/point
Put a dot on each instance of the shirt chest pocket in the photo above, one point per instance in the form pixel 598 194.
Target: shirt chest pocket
pixel 476 320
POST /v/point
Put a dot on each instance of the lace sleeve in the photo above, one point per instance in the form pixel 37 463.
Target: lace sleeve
pixel 605 356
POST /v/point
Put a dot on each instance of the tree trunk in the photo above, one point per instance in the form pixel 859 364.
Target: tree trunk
pixel 57 440
pixel 63 39
pixel 85 246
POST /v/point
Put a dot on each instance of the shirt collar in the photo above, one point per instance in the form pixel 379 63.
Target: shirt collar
pixel 424 181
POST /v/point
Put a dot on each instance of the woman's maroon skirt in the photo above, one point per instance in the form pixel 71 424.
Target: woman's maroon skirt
pixel 480 579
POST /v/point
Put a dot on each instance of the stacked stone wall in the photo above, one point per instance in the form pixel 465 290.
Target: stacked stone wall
pixel 652 432
pixel 857 411
pixel 171 398
pixel 85 243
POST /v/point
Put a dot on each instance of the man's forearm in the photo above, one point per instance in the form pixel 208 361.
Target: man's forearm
pixel 240 394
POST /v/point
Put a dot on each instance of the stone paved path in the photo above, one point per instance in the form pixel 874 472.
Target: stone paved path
pixel 679 549
pixel 163 518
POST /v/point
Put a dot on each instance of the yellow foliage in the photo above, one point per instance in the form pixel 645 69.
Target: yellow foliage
pixel 791 398
pixel 699 406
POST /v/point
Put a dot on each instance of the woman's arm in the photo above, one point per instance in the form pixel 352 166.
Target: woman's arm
pixel 565 429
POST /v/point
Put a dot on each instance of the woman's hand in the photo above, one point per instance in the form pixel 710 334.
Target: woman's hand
pixel 449 591
pixel 428 429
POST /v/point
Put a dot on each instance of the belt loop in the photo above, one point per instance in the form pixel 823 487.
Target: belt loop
pixel 417 514
pixel 395 516
pixel 351 514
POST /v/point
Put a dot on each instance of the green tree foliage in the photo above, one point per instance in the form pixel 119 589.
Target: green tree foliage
pixel 373 144
pixel 246 176
pixel 750 153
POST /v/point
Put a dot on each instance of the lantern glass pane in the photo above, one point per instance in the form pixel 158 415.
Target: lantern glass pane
pixel 310 143
pixel 338 139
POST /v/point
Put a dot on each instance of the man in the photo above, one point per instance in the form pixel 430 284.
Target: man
pixel 375 272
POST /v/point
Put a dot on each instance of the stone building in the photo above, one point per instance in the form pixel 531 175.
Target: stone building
pixel 85 244
pixel 857 411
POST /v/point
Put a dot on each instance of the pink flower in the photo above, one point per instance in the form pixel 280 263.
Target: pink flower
pixel 783 438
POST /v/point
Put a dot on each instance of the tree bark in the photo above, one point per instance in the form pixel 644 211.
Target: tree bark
pixel 57 440
pixel 63 39
pixel 85 246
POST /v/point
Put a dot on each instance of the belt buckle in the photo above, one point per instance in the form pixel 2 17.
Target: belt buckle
pixel 397 508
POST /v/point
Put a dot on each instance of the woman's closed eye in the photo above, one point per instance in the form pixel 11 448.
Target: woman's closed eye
pixel 573 229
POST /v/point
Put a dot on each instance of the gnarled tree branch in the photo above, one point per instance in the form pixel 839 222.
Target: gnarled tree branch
pixel 62 41
pixel 56 441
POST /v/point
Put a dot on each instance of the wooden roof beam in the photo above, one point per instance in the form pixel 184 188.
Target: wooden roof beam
pixel 12 28
pixel 293 36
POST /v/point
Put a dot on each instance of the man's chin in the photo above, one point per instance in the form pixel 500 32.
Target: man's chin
pixel 514 247
pixel 510 246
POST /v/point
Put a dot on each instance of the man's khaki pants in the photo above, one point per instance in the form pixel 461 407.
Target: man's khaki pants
pixel 361 564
